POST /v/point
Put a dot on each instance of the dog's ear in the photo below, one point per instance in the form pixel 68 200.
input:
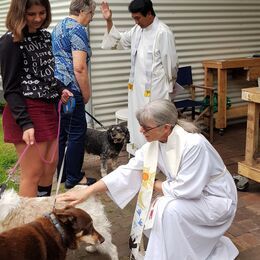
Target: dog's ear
pixel 64 215
pixel 127 135
pixel 76 218
pixel 123 124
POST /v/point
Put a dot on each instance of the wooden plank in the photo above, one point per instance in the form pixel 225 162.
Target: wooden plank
pixel 208 77
pixel 251 94
pixel 240 63
pixel 235 112
pixel 232 63
pixel 251 172
pixel 221 119
pixel 252 132
pixel 253 73
pixel 212 64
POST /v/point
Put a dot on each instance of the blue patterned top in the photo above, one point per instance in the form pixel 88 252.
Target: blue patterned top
pixel 67 36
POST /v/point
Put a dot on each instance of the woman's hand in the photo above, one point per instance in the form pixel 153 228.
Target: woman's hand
pixel 74 197
pixel 78 196
pixel 28 136
pixel 106 12
pixel 65 95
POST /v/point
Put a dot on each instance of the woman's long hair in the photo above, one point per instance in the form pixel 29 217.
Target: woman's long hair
pixel 15 21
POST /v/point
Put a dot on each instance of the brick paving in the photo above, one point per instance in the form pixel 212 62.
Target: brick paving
pixel 245 230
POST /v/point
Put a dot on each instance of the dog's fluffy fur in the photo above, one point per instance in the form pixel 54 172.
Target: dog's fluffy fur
pixel 107 144
pixel 50 236
pixel 16 210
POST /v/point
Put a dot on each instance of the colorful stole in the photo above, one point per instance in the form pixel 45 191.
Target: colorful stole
pixel 145 211
pixel 148 61
pixel 144 198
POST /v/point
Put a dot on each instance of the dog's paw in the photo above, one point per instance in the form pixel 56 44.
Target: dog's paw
pixel 91 249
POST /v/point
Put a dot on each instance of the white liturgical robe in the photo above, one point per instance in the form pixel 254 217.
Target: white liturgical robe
pixel 197 206
pixel 153 67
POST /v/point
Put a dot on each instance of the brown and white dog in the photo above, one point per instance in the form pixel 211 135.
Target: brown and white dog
pixel 16 211
pixel 107 144
pixel 50 236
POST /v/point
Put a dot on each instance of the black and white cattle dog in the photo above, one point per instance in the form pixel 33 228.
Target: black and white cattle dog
pixel 107 144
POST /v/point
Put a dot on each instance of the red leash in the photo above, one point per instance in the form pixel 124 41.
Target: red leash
pixel 37 146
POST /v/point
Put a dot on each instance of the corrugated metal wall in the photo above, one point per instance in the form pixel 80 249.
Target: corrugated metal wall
pixel 4 5
pixel 204 29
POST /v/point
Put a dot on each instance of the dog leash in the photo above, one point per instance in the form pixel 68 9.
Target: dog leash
pixel 37 147
pixel 95 119
pixel 68 109
pixel 59 179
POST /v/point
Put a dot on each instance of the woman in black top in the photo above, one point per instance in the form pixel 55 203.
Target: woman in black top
pixel 31 91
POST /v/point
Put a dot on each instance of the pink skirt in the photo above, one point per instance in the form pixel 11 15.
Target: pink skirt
pixel 44 117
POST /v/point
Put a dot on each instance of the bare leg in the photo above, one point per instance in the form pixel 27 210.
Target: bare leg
pixel 49 169
pixel 31 169
pixel 34 171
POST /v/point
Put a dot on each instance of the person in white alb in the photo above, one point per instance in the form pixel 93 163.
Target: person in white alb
pixel 154 61
pixel 198 197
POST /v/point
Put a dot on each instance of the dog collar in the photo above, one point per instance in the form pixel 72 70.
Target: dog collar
pixel 56 224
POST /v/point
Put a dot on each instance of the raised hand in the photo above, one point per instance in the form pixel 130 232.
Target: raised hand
pixel 106 12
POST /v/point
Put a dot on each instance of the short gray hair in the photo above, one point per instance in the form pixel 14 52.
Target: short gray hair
pixel 77 5
pixel 161 112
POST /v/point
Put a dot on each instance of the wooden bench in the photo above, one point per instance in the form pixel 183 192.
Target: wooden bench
pixel 250 167
pixel 251 65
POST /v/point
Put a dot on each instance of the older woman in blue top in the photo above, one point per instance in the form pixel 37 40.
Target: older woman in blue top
pixel 72 52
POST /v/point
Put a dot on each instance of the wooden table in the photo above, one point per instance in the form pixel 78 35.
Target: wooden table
pixel 222 67
pixel 250 167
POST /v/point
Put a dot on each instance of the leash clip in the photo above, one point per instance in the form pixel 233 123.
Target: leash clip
pixel 68 108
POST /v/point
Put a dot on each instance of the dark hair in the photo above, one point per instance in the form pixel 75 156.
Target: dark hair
pixel 141 6
pixel 15 20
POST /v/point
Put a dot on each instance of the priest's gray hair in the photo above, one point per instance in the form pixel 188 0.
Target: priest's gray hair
pixel 161 112
pixel 85 5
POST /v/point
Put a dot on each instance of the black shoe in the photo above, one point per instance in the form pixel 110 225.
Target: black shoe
pixel 89 182
pixel 69 186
